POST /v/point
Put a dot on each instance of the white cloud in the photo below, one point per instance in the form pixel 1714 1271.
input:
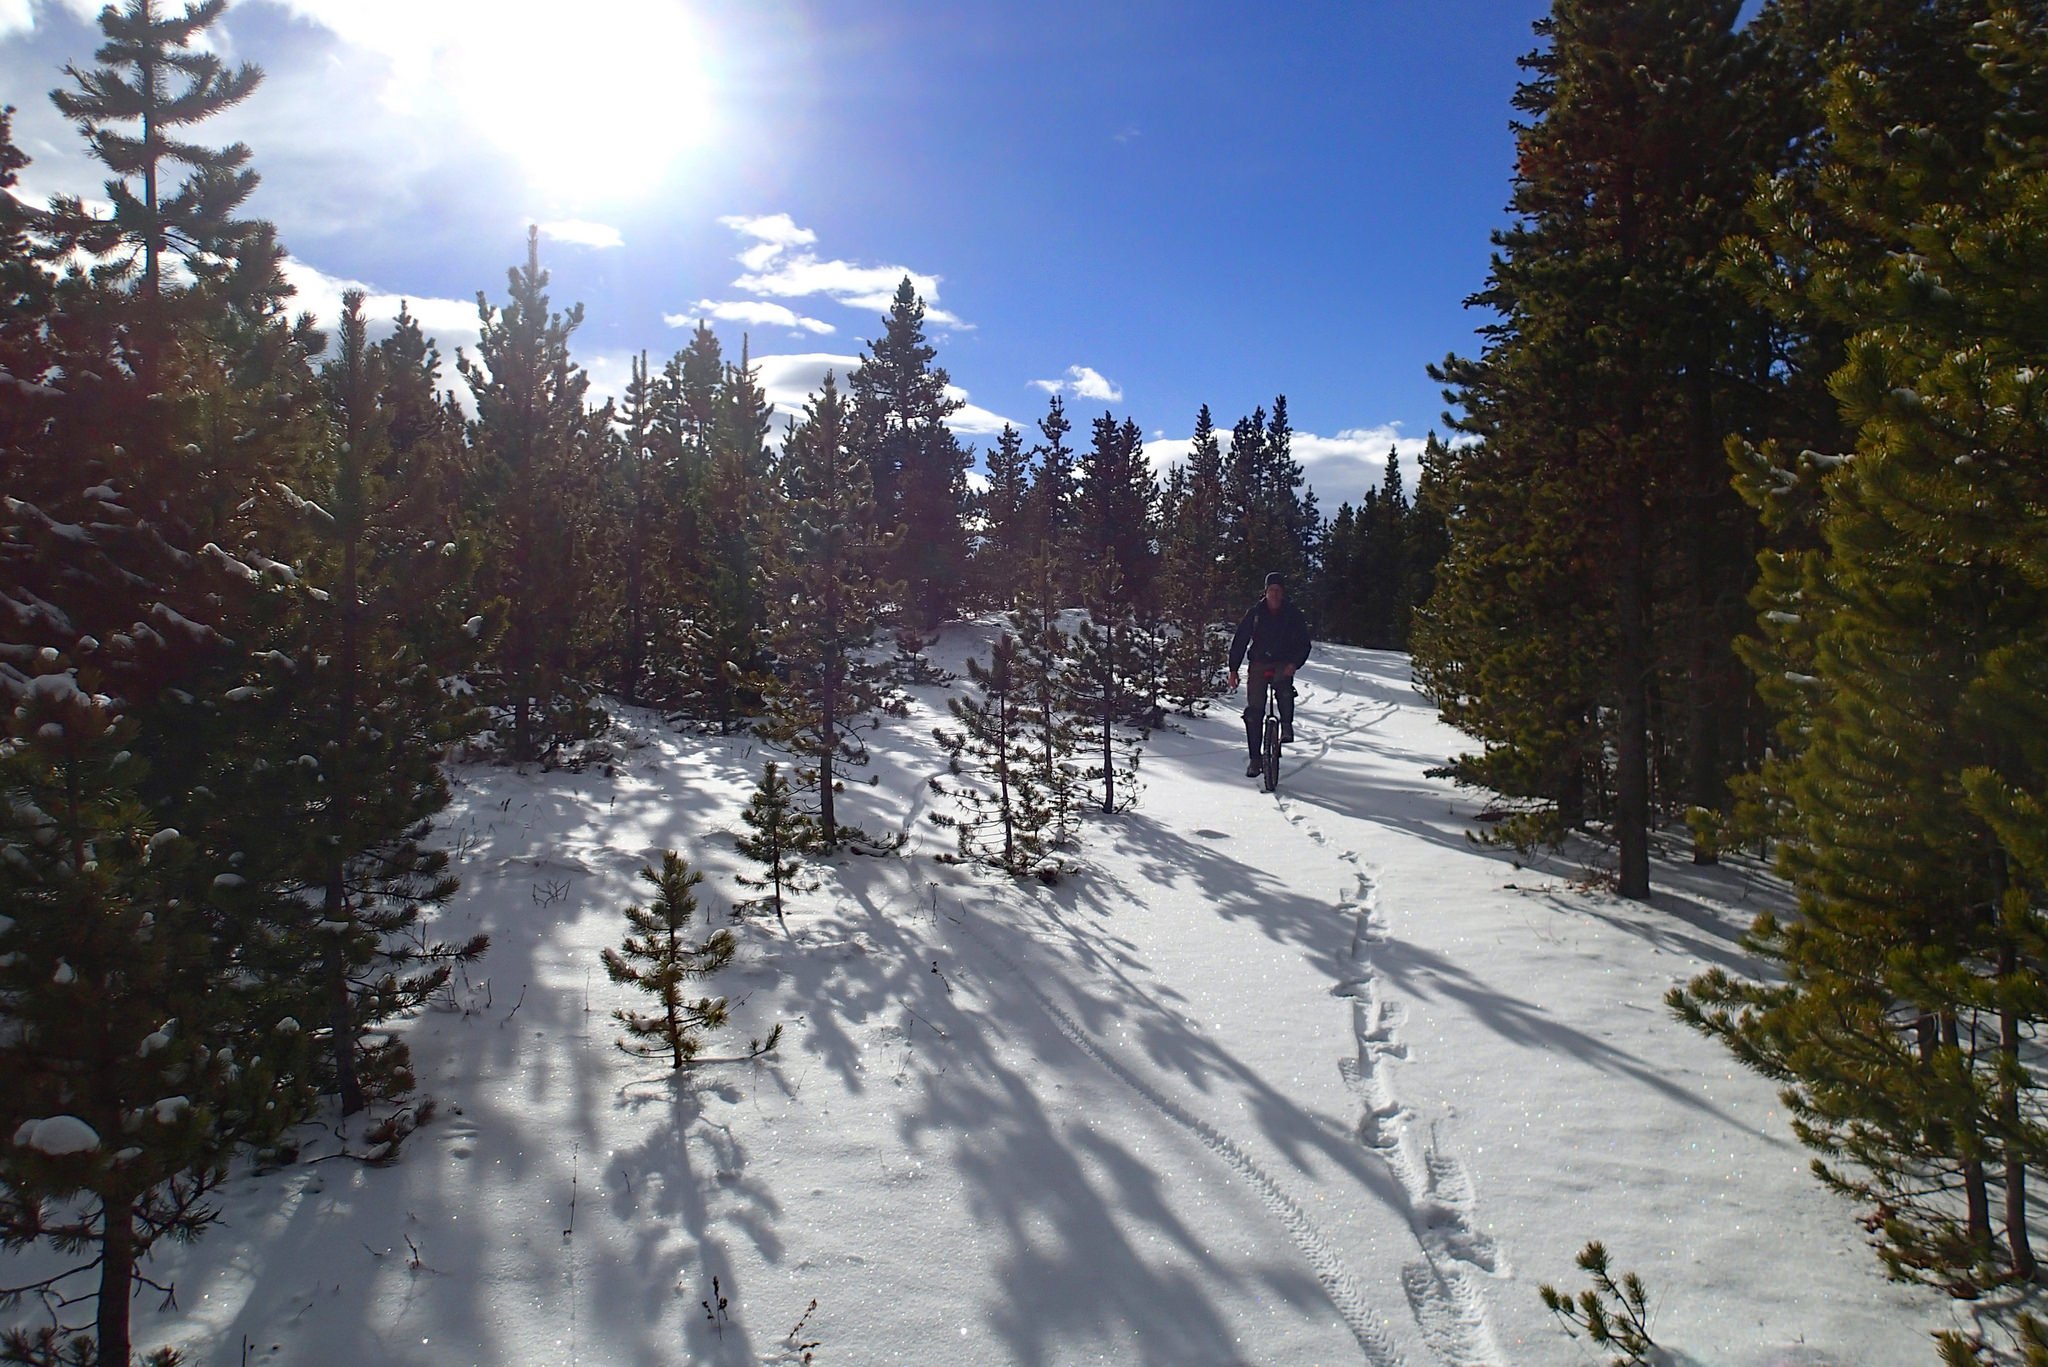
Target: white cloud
pixel 778 264
pixel 755 311
pixel 796 276
pixel 1085 382
pixel 789 381
pixel 772 230
pixel 19 16
pixel 583 233
pixel 1339 469
pixel 972 420
pixel 450 322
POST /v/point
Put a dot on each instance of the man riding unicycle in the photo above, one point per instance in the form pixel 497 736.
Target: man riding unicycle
pixel 1274 638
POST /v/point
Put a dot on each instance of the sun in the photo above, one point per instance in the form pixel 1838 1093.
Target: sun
pixel 593 102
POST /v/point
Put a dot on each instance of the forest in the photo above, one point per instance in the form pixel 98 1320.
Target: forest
pixel 1737 540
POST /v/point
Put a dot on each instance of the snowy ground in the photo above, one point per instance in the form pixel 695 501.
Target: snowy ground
pixel 1305 1079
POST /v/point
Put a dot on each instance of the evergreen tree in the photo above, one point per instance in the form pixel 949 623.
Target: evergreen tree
pixel 779 834
pixel 1378 563
pixel 365 700
pixel 726 631
pixel 1195 576
pixel 1005 538
pixel 828 599
pixel 1043 675
pixel 1905 646
pixel 27 299
pixel 1112 686
pixel 637 510
pixel 1053 504
pixel 1118 504
pixel 150 77
pixel 1003 818
pixel 1589 507
pixel 660 961
pixel 137 1061
pixel 918 468
pixel 538 448
pixel 1289 509
pixel 1270 522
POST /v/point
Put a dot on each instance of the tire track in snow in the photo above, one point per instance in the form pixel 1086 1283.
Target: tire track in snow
pixel 1443 1286
pixel 1322 1255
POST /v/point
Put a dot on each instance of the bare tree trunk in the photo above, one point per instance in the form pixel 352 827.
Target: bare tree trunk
pixel 117 1271
pixel 1632 720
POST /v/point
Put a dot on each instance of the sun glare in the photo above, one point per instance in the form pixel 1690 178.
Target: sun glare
pixel 593 101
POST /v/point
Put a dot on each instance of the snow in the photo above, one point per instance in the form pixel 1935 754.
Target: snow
pixel 57 1135
pixel 1293 1078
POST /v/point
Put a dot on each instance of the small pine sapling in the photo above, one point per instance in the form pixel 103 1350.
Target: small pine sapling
pixel 1003 819
pixel 2029 1348
pixel 1610 1314
pixel 659 960
pixel 779 833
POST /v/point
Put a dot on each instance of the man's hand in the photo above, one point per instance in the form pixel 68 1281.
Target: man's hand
pixel 1233 681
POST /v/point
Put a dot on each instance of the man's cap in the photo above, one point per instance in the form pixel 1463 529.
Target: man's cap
pixel 1276 578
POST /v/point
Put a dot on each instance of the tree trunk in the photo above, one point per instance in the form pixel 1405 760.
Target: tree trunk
pixel 1632 712
pixel 2019 1245
pixel 347 1085
pixel 117 1271
pixel 1976 1187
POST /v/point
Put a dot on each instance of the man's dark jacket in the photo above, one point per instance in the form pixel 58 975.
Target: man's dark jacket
pixel 1270 637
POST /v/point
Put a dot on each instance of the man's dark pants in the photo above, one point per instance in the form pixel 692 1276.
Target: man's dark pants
pixel 1256 680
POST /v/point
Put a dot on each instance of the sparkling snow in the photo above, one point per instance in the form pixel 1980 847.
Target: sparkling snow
pixel 1290 1079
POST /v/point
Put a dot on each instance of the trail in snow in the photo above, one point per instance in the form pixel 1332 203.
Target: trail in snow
pixel 1443 1286
pixel 1321 1253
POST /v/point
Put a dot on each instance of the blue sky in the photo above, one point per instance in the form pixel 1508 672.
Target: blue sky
pixel 1152 205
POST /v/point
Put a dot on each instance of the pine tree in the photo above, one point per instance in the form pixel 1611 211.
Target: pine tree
pixel 637 508
pixel 1052 505
pixel 827 603
pixel 1118 507
pixel 1112 688
pixel 1005 538
pixel 137 82
pixel 1003 818
pixel 1289 508
pixel 27 299
pixel 780 833
pixel 1592 500
pixel 364 702
pixel 728 625
pixel 1904 643
pixel 1376 565
pixel 660 961
pixel 538 448
pixel 1043 675
pixel 1195 575
pixel 137 1058
pixel 1270 522
pixel 918 467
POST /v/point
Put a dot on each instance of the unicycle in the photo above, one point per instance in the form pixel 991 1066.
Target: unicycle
pixel 1269 773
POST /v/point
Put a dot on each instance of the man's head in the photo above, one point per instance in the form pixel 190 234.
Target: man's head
pixel 1276 589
